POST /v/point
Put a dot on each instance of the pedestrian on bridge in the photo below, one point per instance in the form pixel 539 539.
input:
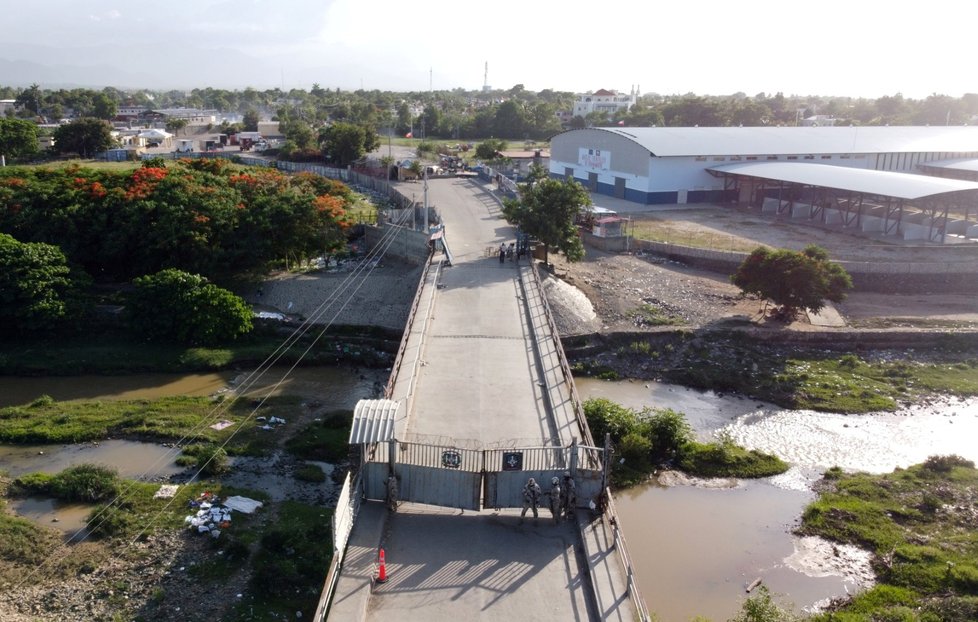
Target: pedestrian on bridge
pixel 531 497
pixel 502 252
pixel 556 499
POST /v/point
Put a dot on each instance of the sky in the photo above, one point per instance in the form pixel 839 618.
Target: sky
pixel 854 48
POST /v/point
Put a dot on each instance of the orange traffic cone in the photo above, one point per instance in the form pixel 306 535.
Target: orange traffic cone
pixel 382 577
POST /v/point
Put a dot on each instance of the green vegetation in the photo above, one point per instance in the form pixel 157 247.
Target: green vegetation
pixel 172 305
pixel 662 436
pixel 324 441
pixel 310 473
pixel 86 137
pixel 792 280
pixel 657 230
pixel 203 216
pixel 116 352
pixel 547 210
pixel 793 377
pixel 290 565
pixel 18 139
pixel 39 293
pixel 84 483
pixel 170 418
pixel 651 315
pixel 919 523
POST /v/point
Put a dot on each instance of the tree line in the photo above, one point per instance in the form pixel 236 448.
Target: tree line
pixel 65 229
pixel 514 113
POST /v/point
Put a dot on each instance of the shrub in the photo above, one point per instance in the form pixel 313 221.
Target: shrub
pixel 86 483
pixel 944 464
pixel 668 432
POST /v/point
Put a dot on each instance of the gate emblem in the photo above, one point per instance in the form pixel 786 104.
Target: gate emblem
pixel 512 460
pixel 451 459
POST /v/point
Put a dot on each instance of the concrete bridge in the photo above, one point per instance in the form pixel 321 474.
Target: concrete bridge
pixel 480 399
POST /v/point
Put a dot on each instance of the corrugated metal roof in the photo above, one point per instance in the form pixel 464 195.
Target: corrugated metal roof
pixel 723 141
pixel 373 421
pixel 882 183
pixel 959 164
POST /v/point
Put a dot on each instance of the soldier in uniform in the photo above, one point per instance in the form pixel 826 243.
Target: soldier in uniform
pixel 569 493
pixel 556 499
pixel 531 497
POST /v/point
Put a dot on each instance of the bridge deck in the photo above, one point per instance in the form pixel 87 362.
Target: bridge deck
pixel 481 364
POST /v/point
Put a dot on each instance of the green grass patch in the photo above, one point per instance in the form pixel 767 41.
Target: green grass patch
pixel 168 418
pixel 725 459
pixel 118 352
pixel 324 441
pixel 657 230
pixel 83 483
pixel 290 565
pixel 650 315
pixel 310 473
pixel 920 525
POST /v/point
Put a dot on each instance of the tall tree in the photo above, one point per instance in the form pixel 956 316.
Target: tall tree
pixel 86 137
pixel 176 305
pixel 250 120
pixel 176 125
pixel 103 107
pixel 345 143
pixel 18 139
pixel 34 286
pixel 547 209
pixel 792 280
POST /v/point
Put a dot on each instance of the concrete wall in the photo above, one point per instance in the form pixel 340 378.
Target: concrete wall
pixel 409 245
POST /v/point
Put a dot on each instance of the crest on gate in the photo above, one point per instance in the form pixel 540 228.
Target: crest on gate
pixel 451 459
pixel 512 460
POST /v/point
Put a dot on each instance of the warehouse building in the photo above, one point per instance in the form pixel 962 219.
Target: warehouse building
pixel 908 182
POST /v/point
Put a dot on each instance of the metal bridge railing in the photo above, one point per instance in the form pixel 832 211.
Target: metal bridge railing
pixel 345 515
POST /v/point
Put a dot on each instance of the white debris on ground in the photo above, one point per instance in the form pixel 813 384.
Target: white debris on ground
pixel 166 491
pixel 573 312
pixel 213 515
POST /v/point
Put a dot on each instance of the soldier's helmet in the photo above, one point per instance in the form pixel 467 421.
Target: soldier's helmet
pixel 532 482
pixel 555 481
pixel 566 473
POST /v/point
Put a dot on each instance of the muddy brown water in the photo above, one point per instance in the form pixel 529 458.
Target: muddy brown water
pixel 696 548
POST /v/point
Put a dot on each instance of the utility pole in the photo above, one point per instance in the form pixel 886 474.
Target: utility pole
pixel 426 200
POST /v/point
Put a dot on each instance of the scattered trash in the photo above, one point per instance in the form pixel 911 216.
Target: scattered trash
pixel 276 420
pixel 223 423
pixel 166 491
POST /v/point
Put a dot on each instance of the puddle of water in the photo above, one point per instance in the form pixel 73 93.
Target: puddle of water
pixel 66 517
pixel 133 460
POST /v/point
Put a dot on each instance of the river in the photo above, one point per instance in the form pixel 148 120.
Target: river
pixel 697 547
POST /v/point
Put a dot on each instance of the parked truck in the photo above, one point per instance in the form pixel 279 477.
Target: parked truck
pixel 247 139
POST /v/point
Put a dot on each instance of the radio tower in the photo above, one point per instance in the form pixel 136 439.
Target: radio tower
pixel 485 80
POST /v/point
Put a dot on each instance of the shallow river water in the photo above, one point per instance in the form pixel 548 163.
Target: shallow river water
pixel 696 548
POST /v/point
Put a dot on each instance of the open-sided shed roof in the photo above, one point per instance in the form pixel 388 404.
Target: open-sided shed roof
pixel 957 164
pixel 882 183
pixel 373 421
pixel 723 141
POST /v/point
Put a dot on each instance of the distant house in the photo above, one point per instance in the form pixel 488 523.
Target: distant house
pixel 193 116
pixel 269 130
pixel 522 160
pixel 609 102
pixel 7 104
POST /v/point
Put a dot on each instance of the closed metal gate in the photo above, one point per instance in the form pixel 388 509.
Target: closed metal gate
pixel 440 475
pixel 476 478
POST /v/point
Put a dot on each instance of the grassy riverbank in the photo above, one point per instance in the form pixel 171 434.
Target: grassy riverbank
pixel 791 376
pixel 921 525
pixel 187 419
pixel 117 352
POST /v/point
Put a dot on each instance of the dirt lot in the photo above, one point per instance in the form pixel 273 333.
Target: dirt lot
pixel 618 286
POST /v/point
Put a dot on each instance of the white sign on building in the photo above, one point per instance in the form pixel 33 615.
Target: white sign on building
pixel 599 159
